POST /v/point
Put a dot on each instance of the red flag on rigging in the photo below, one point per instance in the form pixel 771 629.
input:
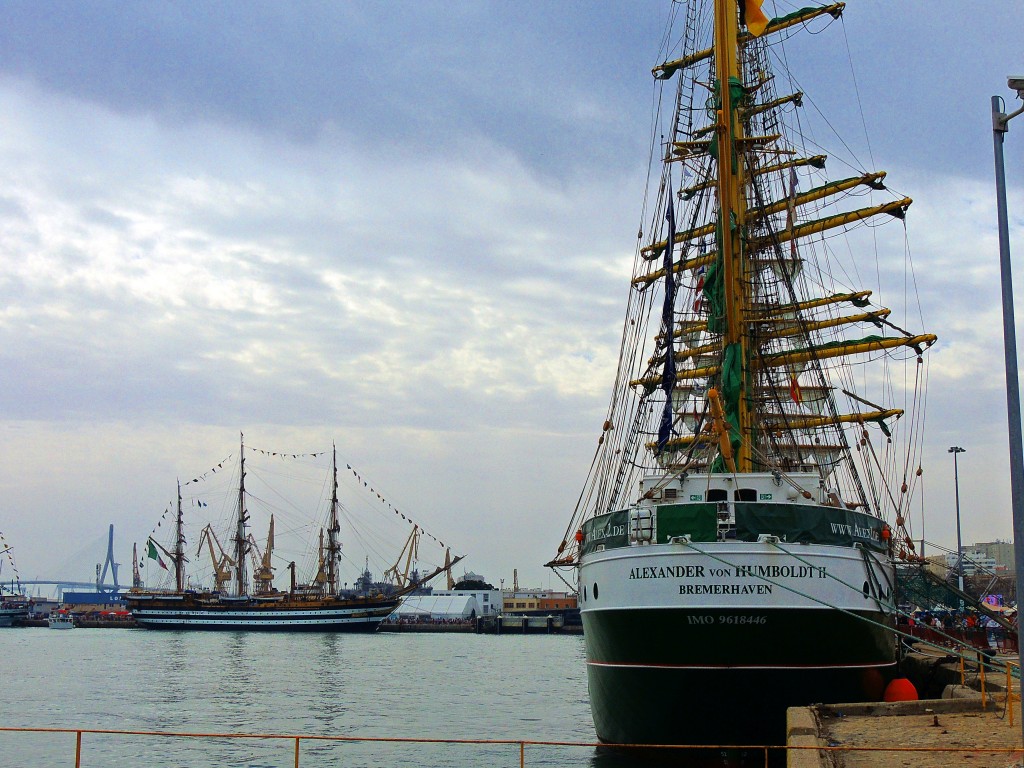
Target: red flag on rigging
pixel 794 390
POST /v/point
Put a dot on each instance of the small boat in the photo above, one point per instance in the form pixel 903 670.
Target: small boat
pixel 735 543
pixel 244 598
pixel 12 611
pixel 60 621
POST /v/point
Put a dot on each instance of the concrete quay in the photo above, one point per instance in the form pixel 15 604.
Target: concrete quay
pixel 958 728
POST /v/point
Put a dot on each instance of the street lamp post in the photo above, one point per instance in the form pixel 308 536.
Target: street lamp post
pixel 956 449
pixel 1000 125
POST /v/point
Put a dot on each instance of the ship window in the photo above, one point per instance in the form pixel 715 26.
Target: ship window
pixel 595 590
pixel 717 494
pixel 746 494
pixel 671 493
pixel 584 592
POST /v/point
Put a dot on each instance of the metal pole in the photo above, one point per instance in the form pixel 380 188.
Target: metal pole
pixel 999 127
pixel 959 543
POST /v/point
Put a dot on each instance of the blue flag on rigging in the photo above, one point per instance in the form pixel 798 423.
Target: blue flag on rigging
pixel 668 378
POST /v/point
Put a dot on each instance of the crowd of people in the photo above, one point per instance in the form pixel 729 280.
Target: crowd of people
pixel 968 625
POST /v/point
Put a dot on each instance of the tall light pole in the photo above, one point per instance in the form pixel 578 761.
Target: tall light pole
pixel 956 449
pixel 1000 125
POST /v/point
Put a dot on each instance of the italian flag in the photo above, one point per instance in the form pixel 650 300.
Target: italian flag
pixel 154 555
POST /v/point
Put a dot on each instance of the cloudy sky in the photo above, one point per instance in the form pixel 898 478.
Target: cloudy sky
pixel 407 228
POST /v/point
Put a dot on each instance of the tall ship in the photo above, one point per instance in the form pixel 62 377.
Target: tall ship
pixel 734 545
pixel 243 595
pixel 14 605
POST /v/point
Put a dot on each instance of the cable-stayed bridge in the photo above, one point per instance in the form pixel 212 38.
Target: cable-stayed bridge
pixel 99 585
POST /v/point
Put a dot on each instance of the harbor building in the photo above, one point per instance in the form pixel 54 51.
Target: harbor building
pixel 975 563
pixel 999 551
pixel 536 600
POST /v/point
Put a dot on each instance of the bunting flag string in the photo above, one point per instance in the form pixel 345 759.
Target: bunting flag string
pixel 289 455
pixel 220 465
pixel 167 510
pixel 366 484
pixel 195 502
pixel 6 549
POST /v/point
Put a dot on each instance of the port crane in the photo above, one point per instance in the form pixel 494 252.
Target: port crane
pixel 263 571
pixel 223 564
pixel 410 551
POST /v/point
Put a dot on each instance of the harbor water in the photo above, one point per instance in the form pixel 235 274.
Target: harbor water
pixel 428 686
pixel 385 685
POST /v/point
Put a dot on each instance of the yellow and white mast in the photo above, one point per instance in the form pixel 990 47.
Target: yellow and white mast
pixel 732 215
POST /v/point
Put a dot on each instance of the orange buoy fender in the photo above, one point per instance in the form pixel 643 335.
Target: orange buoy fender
pixel 900 689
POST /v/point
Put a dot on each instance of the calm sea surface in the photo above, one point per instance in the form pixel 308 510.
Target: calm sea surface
pixel 386 685
pixel 452 686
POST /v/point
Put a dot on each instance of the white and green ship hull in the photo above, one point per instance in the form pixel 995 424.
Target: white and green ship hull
pixel 709 642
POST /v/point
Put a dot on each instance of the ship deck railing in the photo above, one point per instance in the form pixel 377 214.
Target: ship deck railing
pixel 795 754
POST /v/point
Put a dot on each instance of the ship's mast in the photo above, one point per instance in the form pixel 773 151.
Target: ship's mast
pixel 178 557
pixel 333 545
pixel 241 541
pixel 731 222
pixel 136 576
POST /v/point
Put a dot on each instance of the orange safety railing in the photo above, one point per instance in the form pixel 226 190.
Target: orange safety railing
pixel 1011 697
pixel 297 740
pixel 981 675
pixel 521 744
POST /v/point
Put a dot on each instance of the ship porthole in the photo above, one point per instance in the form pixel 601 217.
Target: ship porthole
pixel 584 592
pixel 595 590
pixel 867 589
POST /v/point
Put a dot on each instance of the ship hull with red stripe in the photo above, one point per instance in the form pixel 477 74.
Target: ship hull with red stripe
pixel 710 643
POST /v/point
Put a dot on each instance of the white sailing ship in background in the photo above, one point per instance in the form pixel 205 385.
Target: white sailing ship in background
pixel 243 595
